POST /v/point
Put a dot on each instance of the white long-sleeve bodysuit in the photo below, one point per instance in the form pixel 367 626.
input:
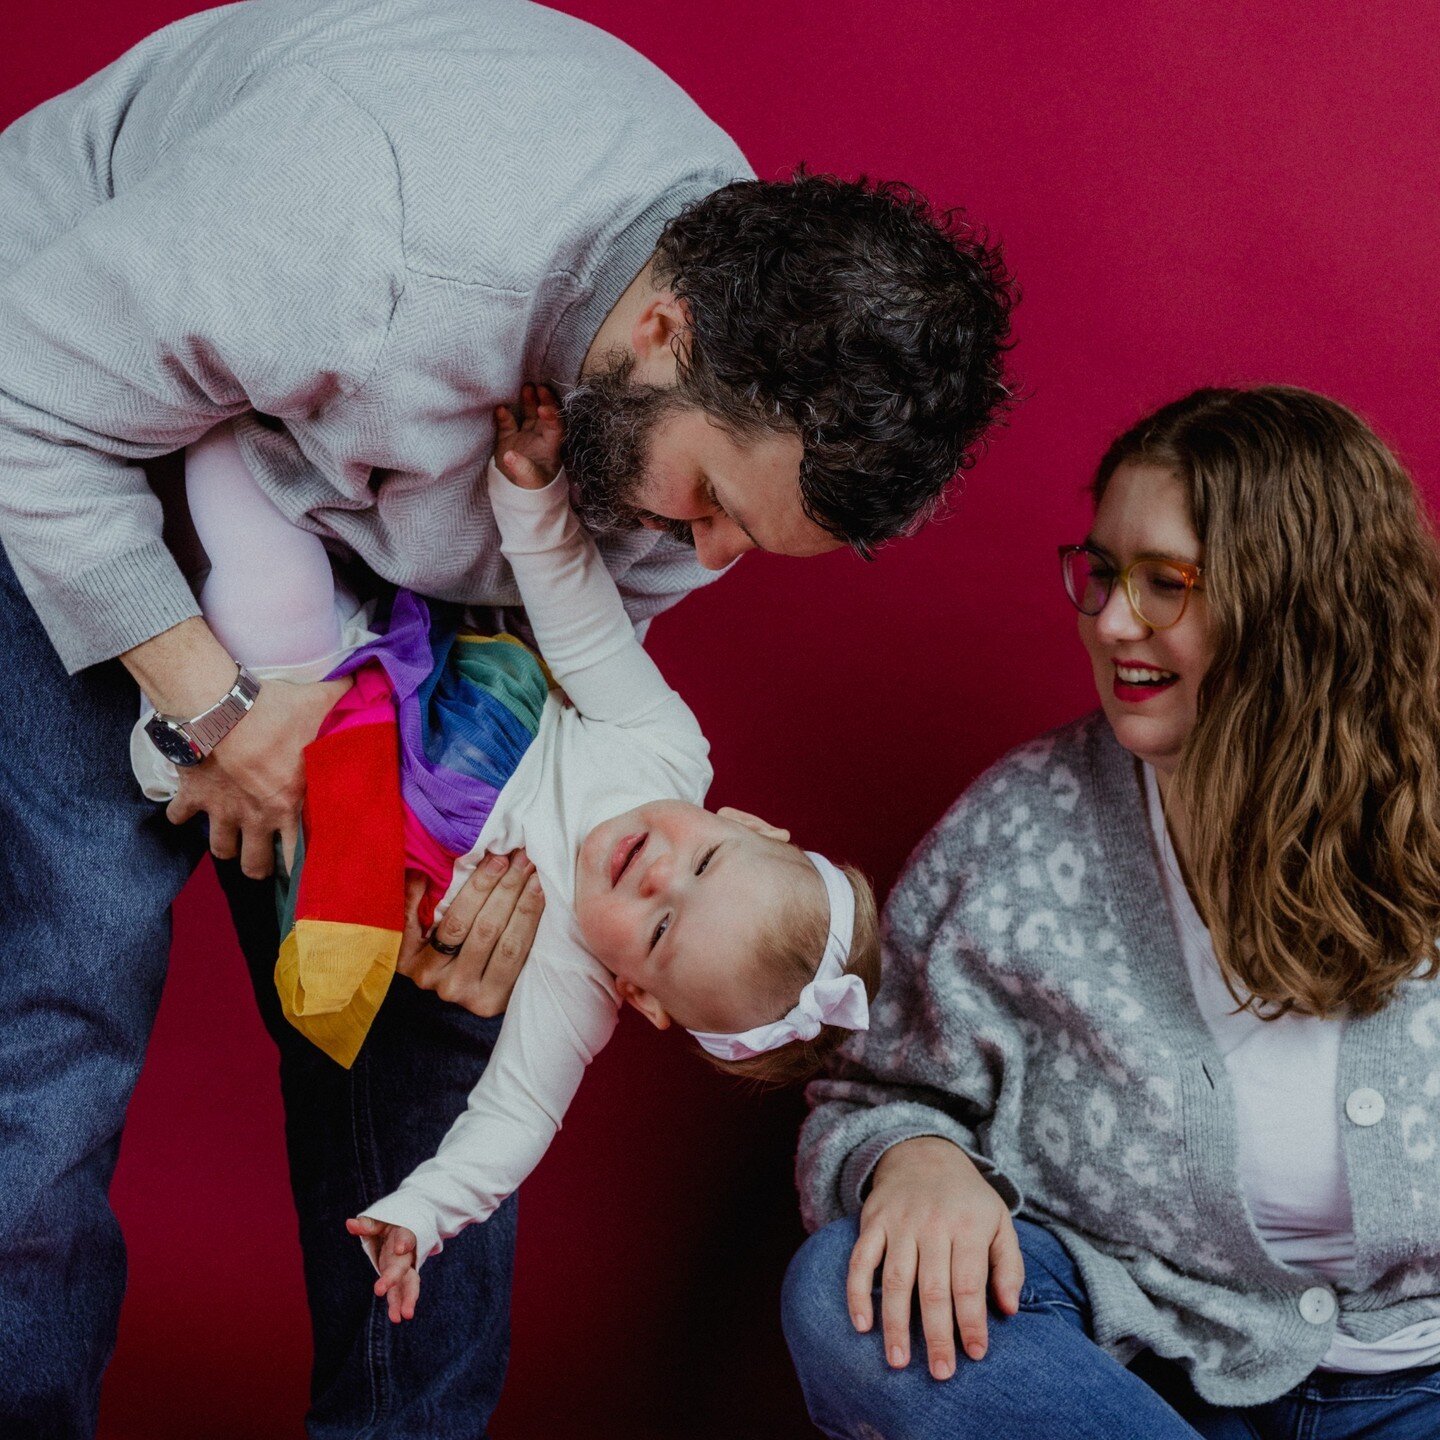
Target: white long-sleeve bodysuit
pixel 626 739
pixel 629 739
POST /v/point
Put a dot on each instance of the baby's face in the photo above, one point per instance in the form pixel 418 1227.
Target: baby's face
pixel 674 899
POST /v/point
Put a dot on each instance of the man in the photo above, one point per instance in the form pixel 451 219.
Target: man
pixel 351 229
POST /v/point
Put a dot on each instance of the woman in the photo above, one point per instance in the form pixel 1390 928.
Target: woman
pixel 1219 1138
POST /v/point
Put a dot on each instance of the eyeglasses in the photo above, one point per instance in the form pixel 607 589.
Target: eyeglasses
pixel 1158 590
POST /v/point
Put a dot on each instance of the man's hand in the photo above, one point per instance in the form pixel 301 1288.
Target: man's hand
pixel 399 1282
pixel 527 445
pixel 252 784
pixel 942 1230
pixel 474 954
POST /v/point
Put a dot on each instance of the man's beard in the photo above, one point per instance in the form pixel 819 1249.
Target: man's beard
pixel 609 422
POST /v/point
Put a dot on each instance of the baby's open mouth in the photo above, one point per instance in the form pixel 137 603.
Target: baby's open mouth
pixel 624 853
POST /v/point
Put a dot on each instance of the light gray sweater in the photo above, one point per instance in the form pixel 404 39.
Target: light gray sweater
pixel 367 219
pixel 1036 1010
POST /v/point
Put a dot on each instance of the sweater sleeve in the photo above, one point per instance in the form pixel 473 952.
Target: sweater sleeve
pixel 562 1013
pixel 256 266
pixel 576 611
pixel 938 1052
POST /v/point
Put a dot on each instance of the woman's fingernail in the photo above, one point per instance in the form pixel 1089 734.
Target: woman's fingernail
pixel 859 1322
pixel 497 863
pixel 975 1352
pixel 943 1370
pixel 897 1356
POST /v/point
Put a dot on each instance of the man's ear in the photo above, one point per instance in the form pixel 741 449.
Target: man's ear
pixel 754 822
pixel 660 330
pixel 644 1002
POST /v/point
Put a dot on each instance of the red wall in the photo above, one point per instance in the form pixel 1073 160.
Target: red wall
pixel 1189 194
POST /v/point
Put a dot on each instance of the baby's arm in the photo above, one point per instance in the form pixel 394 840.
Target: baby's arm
pixel 572 602
pixel 270 594
pixel 561 1015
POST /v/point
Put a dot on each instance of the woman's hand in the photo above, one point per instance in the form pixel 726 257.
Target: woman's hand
pixel 399 1282
pixel 941 1230
pixel 252 785
pixel 475 953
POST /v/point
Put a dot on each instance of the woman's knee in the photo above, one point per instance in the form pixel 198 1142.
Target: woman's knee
pixel 813 1306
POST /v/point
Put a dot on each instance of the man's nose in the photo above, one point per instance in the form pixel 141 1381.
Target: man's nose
pixel 719 541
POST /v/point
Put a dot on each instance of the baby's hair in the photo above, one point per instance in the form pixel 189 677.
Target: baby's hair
pixel 788 956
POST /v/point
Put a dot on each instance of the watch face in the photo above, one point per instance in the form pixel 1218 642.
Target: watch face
pixel 171 742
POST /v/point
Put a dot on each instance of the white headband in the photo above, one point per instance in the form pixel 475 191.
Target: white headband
pixel 831 998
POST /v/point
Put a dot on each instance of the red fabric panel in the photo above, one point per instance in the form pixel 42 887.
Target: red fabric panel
pixel 354 829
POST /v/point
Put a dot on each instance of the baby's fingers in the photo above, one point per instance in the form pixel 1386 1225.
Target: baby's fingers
pixel 399 1245
pixel 401 1300
pixel 505 425
pixel 393 1273
pixel 525 473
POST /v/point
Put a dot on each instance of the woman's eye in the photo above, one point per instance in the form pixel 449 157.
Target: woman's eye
pixel 660 929
pixel 705 859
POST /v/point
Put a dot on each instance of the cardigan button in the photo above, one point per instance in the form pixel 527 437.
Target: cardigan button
pixel 1317 1305
pixel 1365 1106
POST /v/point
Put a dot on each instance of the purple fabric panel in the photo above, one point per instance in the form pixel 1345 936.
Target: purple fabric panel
pixel 452 808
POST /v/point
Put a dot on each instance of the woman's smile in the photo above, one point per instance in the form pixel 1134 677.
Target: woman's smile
pixel 1136 681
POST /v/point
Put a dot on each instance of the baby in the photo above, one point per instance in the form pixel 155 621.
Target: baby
pixel 765 953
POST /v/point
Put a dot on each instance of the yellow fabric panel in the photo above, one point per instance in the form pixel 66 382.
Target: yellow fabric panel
pixel 332 978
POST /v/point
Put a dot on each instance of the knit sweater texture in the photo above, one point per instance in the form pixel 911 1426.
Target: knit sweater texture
pixel 1037 1012
pixel 353 226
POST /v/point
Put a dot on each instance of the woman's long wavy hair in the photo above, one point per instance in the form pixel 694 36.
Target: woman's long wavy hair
pixel 1311 781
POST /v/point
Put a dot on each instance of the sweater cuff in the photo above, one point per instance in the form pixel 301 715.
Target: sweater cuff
pixel 95 614
pixel 860 1165
pixel 415 1214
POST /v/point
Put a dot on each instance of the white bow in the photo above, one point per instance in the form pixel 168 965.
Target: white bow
pixel 830 998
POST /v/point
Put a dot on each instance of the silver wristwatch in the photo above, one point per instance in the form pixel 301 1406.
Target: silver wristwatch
pixel 188 742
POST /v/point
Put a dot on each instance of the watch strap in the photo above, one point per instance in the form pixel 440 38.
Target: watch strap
pixel 211 726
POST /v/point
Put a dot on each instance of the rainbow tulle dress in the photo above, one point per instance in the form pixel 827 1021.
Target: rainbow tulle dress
pixel 403 774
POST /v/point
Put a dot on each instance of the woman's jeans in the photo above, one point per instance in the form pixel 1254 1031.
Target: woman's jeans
pixel 1044 1379
pixel 88 870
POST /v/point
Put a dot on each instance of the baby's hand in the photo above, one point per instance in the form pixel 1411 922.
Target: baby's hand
pixel 399 1276
pixel 528 453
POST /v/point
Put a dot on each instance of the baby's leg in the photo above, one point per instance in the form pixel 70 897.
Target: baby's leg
pixel 270 594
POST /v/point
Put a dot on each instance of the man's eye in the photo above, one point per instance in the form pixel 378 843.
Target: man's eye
pixel 705 859
pixel 660 929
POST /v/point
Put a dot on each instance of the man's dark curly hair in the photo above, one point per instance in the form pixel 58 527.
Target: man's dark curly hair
pixel 857 315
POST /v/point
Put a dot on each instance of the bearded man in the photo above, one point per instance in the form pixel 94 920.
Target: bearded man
pixel 349 228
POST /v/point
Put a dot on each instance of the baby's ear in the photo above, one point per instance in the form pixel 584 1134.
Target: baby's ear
pixel 754 822
pixel 644 1002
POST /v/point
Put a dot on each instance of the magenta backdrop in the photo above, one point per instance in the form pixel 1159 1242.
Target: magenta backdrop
pixel 1188 194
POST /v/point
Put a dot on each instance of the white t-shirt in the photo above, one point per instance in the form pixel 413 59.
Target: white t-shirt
pixel 1285 1075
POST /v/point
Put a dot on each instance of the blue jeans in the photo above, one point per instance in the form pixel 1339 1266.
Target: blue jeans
pixel 1043 1378
pixel 88 871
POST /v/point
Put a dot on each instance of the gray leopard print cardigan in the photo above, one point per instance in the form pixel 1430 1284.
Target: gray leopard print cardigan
pixel 1036 1011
